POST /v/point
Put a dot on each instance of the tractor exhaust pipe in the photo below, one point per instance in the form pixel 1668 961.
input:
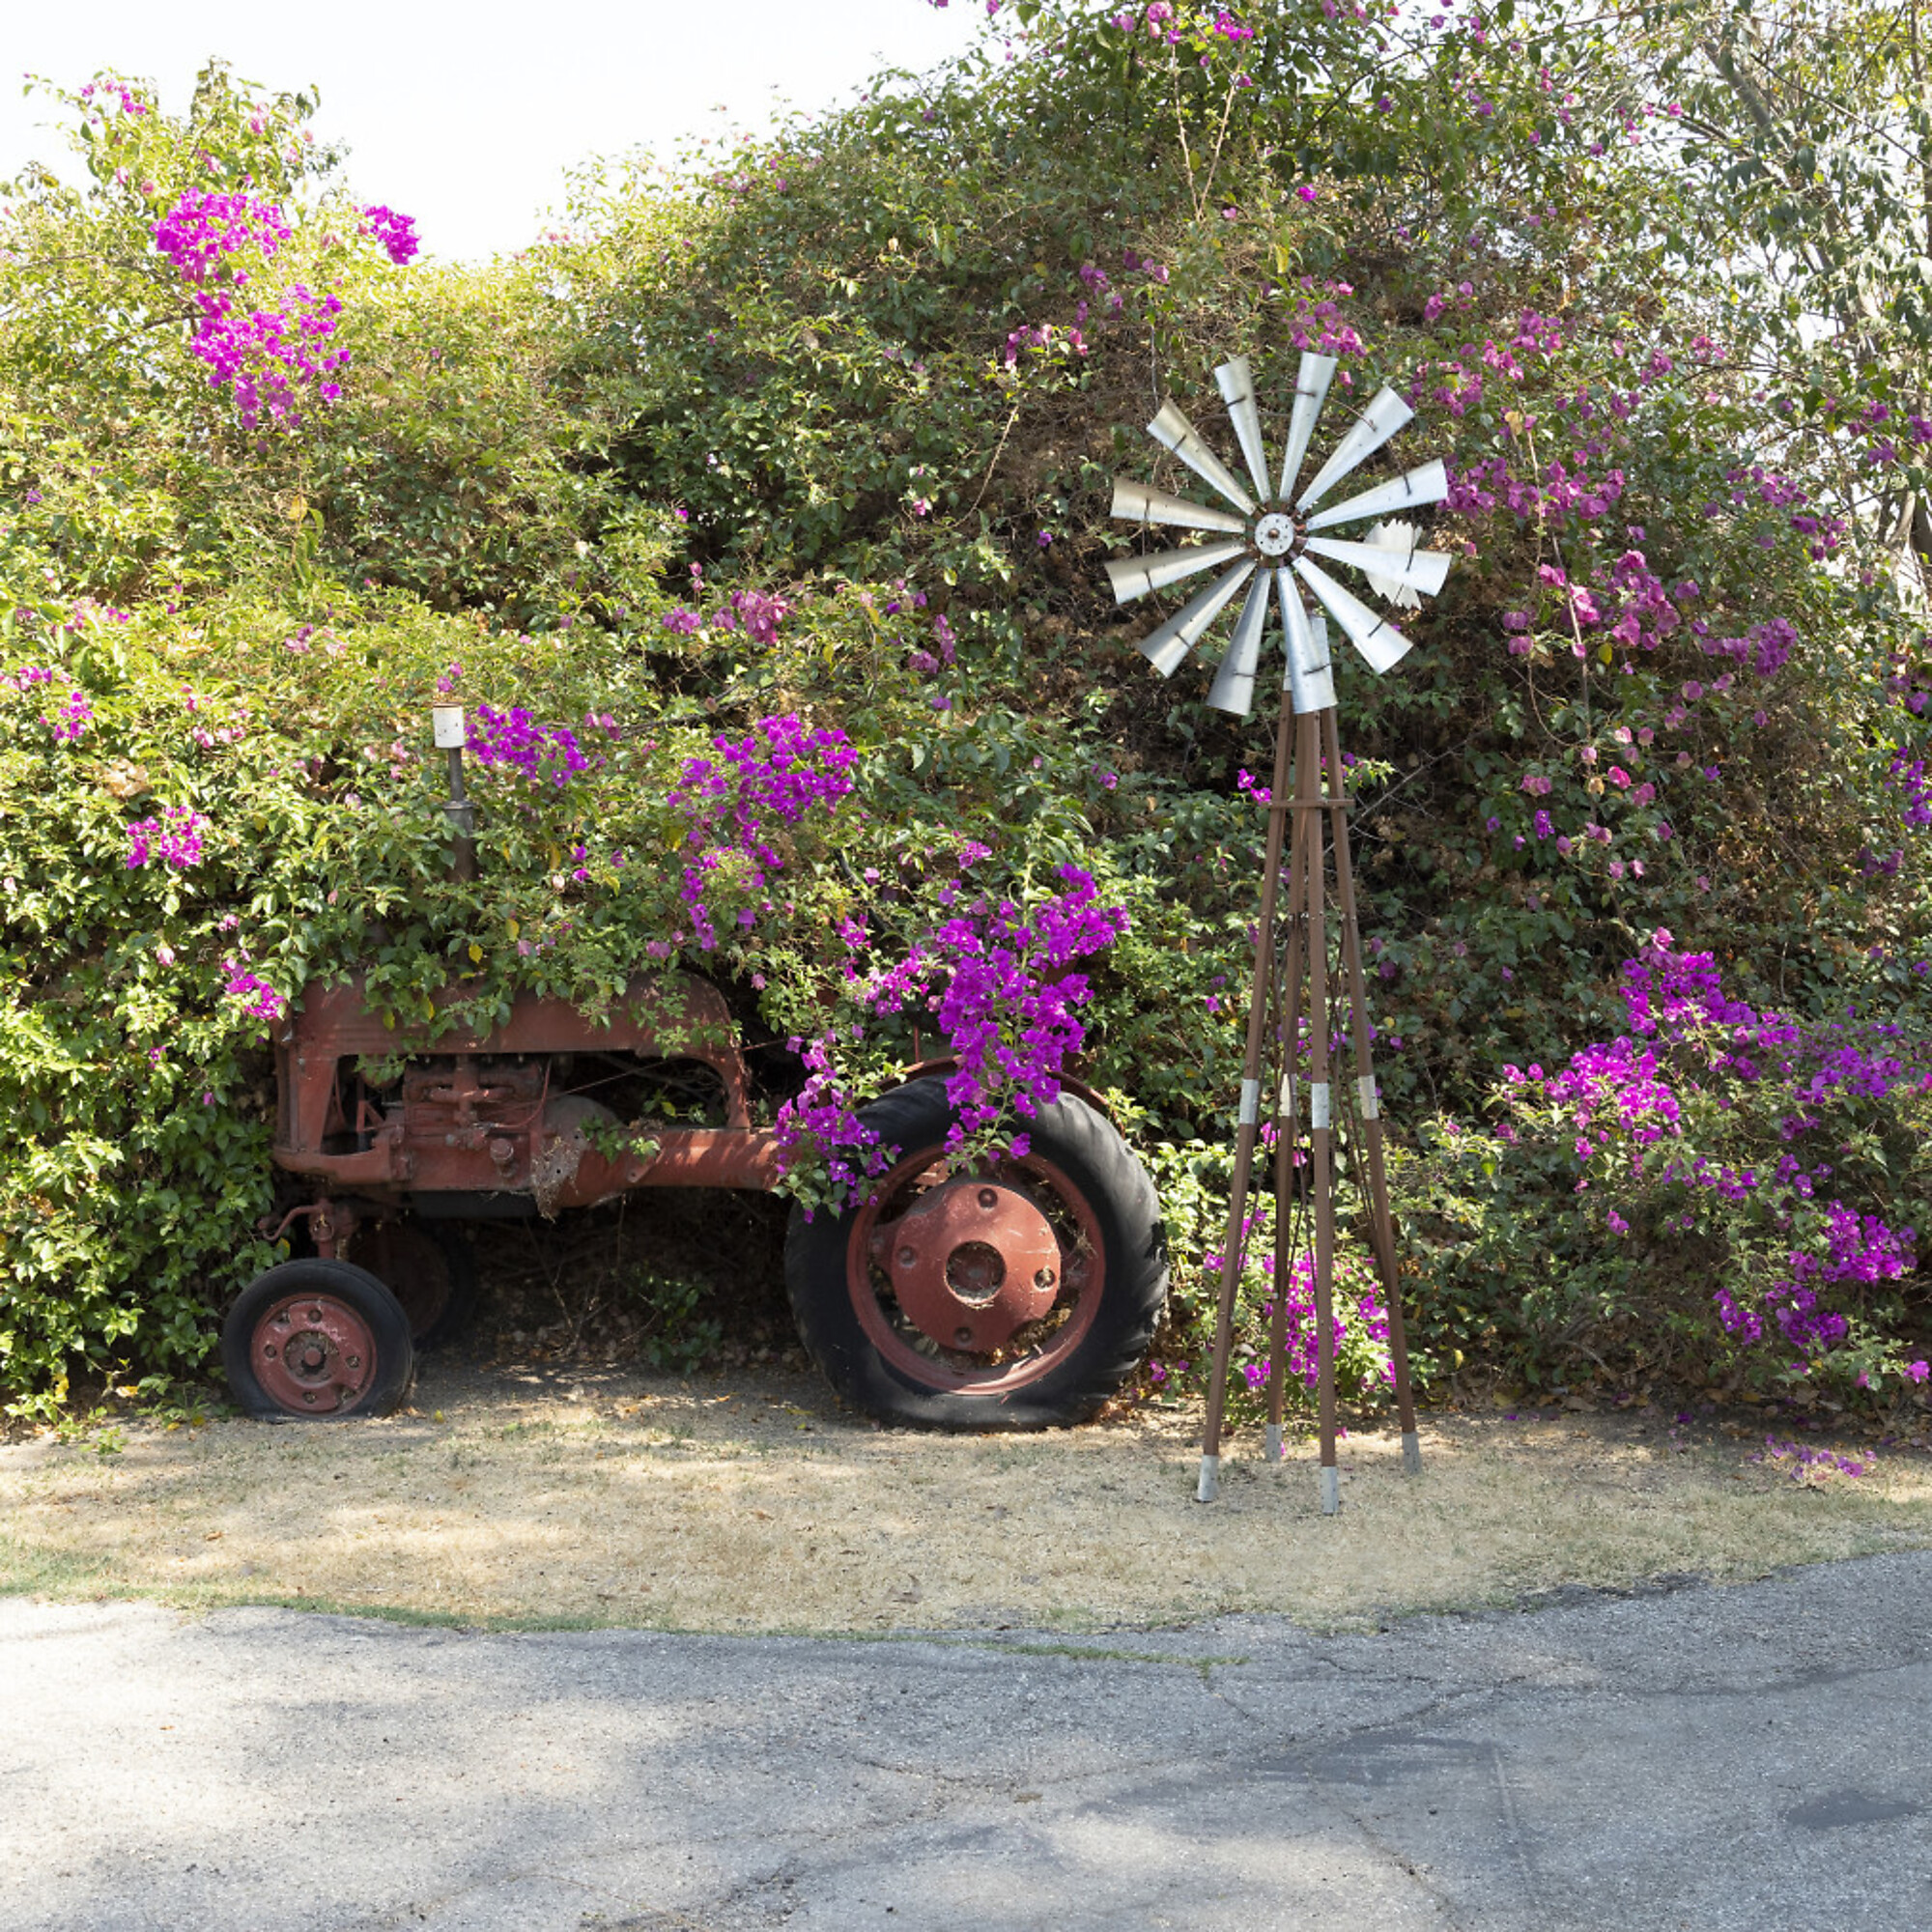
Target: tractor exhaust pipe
pixel 450 737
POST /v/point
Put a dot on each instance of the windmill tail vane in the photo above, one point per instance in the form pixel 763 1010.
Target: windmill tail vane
pixel 1273 545
pixel 1273 536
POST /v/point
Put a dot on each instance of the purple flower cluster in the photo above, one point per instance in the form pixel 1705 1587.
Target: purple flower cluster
pixel 1302 1333
pixel 266 355
pixel 397 233
pixel 996 978
pixel 74 715
pixel 543 753
pixel 757 612
pixel 73 718
pixel 256 997
pixel 820 1126
pixel 761 614
pixel 206 226
pixel 175 839
pixel 738 804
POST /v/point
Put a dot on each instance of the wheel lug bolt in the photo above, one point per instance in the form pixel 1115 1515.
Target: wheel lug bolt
pixel 353 1361
pixel 963 1336
pixel 988 1199
pixel 906 1258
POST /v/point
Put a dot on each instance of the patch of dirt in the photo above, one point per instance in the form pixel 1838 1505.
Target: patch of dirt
pixel 752 1504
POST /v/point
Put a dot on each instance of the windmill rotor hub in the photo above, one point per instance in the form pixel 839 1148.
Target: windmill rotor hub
pixel 1273 533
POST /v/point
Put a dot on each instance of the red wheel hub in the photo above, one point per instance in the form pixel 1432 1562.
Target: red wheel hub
pixel 972 1263
pixel 313 1355
pixel 997 1292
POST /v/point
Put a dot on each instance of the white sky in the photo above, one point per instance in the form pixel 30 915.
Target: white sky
pixel 466 117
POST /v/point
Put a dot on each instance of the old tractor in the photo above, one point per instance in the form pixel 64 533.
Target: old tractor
pixel 1016 1293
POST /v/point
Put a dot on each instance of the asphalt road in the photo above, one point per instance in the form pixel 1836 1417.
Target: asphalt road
pixel 1753 1758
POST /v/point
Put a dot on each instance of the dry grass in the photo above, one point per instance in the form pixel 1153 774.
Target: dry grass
pixel 616 1501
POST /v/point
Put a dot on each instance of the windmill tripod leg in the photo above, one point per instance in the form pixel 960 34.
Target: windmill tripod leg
pixel 1368 1111
pixel 1310 800
pixel 1287 1128
pixel 1249 1129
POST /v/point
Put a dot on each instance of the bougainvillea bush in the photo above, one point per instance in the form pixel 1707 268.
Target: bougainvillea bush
pixel 1720 1183
pixel 758 512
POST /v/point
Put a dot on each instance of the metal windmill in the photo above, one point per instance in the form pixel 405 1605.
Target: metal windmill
pixel 1275 534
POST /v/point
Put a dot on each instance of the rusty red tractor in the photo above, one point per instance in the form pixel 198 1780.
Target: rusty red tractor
pixel 1007 1294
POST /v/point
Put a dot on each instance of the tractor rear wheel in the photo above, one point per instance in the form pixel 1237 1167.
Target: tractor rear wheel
pixel 1019 1293
pixel 428 1266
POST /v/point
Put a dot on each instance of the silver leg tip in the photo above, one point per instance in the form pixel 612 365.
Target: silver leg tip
pixel 1210 1485
pixel 1332 1491
pixel 1274 1442
pixel 1411 1453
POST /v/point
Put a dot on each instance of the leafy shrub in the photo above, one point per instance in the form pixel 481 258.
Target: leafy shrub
pixel 807 450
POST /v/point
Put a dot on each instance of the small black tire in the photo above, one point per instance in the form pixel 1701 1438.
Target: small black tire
pixel 315 1339
pixel 1079 1176
pixel 428 1265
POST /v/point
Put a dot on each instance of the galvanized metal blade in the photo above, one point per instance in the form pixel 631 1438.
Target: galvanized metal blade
pixel 1311 678
pixel 1135 576
pixel 1311 392
pixel 1166 647
pixel 1171 430
pixel 1427 483
pixel 1141 503
pixel 1415 569
pixel 1236 378
pixel 1233 688
pixel 1374 636
pixel 1373 427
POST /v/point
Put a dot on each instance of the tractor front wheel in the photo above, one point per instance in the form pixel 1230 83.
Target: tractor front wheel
pixel 317 1339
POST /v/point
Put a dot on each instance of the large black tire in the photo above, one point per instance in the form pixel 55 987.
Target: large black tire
pixel 1079 1190
pixel 316 1341
pixel 428 1266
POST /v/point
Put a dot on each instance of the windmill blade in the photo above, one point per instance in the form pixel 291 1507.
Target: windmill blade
pixel 1401 536
pixel 1236 378
pixel 1311 392
pixel 1165 647
pixel 1141 503
pixel 1402 564
pixel 1234 682
pixel 1311 678
pixel 1373 427
pixel 1173 431
pixel 1427 483
pixel 1375 637
pixel 1135 576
